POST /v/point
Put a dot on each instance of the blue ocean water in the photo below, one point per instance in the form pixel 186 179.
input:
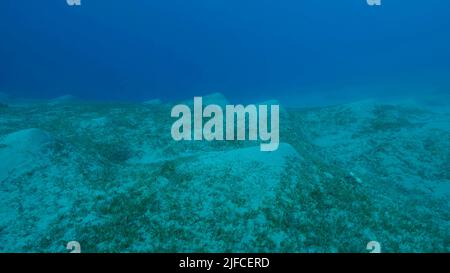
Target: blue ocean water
pixel 88 155
pixel 247 50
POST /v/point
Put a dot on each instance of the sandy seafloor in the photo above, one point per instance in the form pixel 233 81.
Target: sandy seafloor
pixel 109 176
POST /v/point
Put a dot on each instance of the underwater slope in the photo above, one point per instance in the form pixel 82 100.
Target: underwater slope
pixel 111 177
pixel 405 145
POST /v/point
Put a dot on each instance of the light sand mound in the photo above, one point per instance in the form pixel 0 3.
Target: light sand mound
pixel 247 173
pixel 20 149
pixel 66 99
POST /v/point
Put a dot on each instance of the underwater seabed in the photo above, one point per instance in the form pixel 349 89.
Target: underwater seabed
pixel 109 176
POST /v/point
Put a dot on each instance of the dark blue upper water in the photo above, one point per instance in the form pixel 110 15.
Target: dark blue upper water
pixel 246 49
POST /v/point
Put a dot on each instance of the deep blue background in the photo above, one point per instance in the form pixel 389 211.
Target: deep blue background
pixel 246 49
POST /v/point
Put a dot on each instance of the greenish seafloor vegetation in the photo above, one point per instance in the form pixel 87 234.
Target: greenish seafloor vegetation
pixel 109 176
